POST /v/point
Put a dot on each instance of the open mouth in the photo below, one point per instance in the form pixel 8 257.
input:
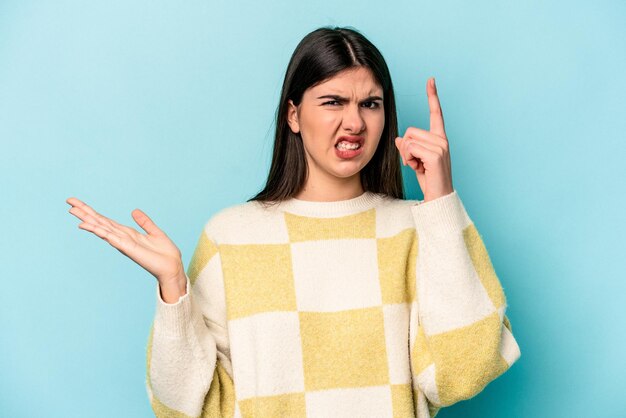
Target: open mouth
pixel 346 145
pixel 349 143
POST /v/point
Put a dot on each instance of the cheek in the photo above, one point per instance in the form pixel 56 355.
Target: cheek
pixel 376 123
pixel 320 125
pixel 329 121
pixel 381 120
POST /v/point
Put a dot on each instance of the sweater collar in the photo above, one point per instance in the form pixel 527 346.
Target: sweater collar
pixel 365 201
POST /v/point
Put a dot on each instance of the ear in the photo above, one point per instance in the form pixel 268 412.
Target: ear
pixel 292 117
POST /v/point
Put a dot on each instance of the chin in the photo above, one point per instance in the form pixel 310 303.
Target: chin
pixel 350 169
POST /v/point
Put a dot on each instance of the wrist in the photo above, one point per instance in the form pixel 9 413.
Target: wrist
pixel 172 290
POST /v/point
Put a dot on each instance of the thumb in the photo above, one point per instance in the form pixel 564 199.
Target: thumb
pixel 145 222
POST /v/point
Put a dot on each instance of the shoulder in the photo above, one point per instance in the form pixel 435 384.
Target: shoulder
pixel 244 222
pixel 394 215
pixel 253 223
pixel 393 203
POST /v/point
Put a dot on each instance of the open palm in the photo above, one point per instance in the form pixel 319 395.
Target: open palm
pixel 153 251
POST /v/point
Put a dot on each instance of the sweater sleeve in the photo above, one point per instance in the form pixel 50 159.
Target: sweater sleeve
pixel 189 373
pixel 460 339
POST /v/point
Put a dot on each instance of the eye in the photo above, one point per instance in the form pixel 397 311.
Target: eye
pixel 330 101
pixel 375 104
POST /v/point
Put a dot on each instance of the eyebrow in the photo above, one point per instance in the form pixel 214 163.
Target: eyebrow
pixel 344 99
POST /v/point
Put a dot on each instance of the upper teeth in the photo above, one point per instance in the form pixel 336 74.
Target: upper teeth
pixel 348 145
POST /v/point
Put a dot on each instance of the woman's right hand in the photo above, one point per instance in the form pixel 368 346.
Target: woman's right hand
pixel 154 251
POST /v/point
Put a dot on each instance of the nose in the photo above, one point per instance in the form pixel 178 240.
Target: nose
pixel 352 119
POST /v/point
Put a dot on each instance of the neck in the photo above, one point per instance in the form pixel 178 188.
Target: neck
pixel 331 190
pixel 335 208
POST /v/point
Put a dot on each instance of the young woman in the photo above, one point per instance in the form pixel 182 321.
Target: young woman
pixel 327 294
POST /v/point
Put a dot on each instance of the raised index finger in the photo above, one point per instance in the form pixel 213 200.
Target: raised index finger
pixel 436 115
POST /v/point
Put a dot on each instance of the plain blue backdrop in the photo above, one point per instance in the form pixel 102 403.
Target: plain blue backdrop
pixel 167 106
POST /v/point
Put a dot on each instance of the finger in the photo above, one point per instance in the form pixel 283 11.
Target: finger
pixel 102 232
pixel 102 220
pixel 435 146
pixel 432 147
pixel 89 210
pixel 426 136
pixel 417 165
pixel 414 163
pixel 145 222
pixel 399 141
pixel 416 150
pixel 402 143
pixel 436 114
pixel 122 243
pixel 86 217
pixel 82 205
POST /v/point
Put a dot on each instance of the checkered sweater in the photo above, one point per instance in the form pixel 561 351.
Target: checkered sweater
pixel 366 307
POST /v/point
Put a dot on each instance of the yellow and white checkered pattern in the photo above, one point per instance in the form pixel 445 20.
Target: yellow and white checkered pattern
pixel 299 311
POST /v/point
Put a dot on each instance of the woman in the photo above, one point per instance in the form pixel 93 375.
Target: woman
pixel 327 294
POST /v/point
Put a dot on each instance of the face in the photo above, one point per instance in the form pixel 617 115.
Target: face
pixel 348 104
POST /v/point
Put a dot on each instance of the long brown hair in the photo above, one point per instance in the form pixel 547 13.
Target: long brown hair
pixel 320 55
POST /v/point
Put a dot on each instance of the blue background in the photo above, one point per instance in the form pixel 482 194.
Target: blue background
pixel 167 107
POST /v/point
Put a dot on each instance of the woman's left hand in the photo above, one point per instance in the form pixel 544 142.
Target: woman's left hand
pixel 427 152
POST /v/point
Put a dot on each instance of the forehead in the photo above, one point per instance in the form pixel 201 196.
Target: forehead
pixel 358 80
